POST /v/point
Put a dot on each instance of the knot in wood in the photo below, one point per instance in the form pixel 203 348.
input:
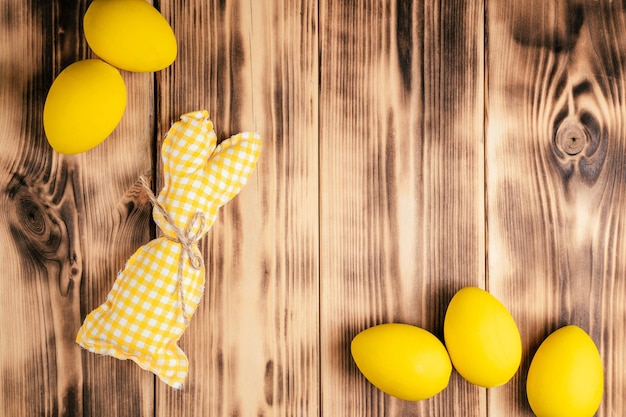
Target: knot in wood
pixel 35 225
pixel 31 217
pixel 571 136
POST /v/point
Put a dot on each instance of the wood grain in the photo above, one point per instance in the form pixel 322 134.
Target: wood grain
pixel 401 184
pixel 410 148
pixel 556 180
pixel 59 263
pixel 253 343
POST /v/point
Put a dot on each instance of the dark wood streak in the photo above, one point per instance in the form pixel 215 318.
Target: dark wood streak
pixel 562 21
pixel 404 45
pixel 66 30
pixel 269 382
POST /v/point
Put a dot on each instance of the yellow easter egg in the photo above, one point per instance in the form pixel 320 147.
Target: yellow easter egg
pixel 401 360
pixel 130 34
pixel 84 105
pixel 565 378
pixel 482 338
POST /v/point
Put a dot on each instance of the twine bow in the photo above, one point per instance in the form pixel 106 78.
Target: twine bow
pixel 186 238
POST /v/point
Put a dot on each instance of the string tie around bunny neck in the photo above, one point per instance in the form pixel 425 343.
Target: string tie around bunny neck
pixel 187 238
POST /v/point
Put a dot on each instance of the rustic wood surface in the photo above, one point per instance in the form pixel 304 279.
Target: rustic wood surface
pixel 401 184
pixel 556 158
pixel 410 149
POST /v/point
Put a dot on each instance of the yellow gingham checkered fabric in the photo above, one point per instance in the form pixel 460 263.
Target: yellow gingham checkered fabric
pixel 142 318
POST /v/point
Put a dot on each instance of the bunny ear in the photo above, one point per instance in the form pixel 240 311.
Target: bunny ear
pixel 231 164
pixel 188 144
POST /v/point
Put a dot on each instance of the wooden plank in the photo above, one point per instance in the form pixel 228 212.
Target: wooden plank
pixel 401 180
pixel 121 207
pixel 253 343
pixel 556 189
pixel 68 224
pixel 117 222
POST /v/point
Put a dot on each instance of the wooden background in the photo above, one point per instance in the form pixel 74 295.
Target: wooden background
pixel 410 149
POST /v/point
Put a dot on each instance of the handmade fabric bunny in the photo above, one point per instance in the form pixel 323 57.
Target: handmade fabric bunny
pixel 152 299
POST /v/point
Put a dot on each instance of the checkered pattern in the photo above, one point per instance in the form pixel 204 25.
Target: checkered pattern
pixel 142 318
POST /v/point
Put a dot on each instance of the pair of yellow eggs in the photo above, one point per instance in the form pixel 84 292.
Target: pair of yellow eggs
pixel 483 343
pixel 87 100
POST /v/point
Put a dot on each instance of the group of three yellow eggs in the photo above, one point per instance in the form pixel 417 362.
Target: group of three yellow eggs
pixel 87 100
pixel 483 343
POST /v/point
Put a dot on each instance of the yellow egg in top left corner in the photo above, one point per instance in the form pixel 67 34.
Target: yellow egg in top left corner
pixel 84 106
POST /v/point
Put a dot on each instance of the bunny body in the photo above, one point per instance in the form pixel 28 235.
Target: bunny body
pixel 147 310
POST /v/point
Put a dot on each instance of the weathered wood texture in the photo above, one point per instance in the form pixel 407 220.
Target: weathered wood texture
pixel 68 224
pixel 401 180
pixel 253 344
pixel 556 159
pixel 387 181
